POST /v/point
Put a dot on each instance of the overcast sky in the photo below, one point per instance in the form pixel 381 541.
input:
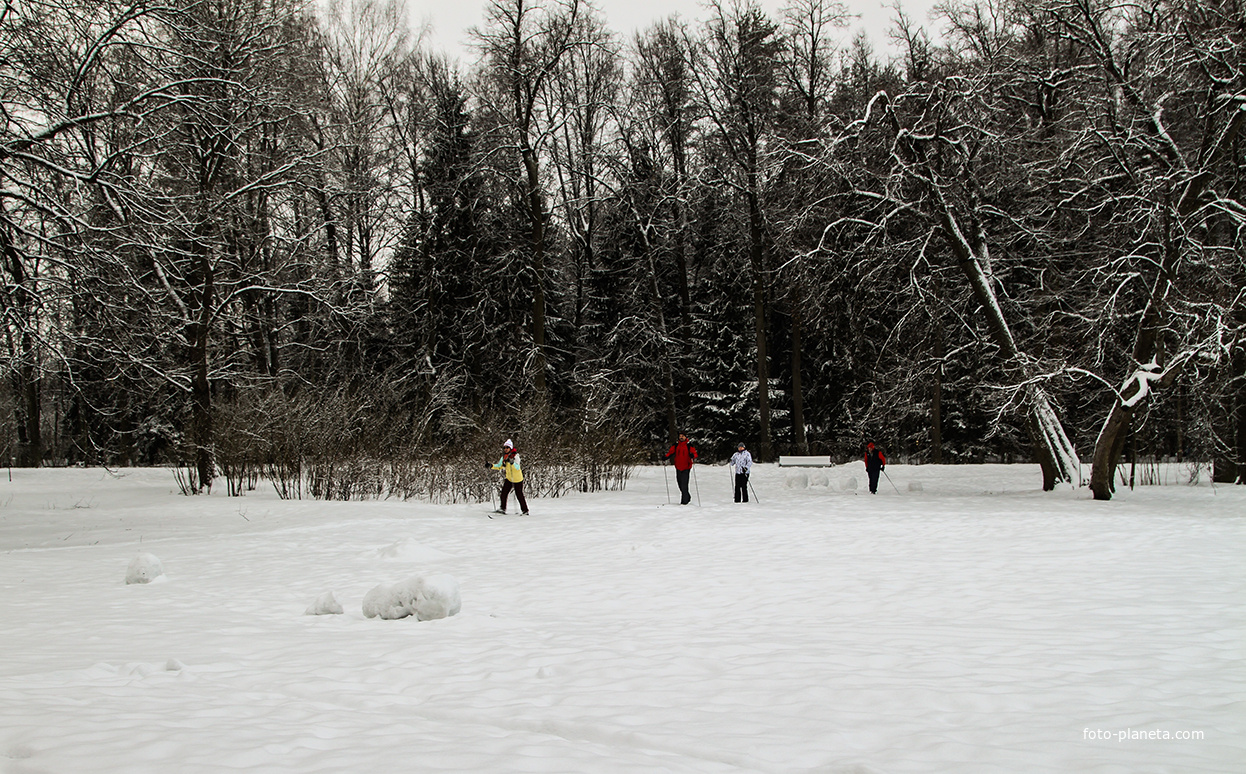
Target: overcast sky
pixel 450 20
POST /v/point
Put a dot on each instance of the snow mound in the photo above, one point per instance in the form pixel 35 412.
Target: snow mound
pixel 915 486
pixel 145 568
pixel 797 481
pixel 819 478
pixel 850 484
pixel 426 597
pixel 325 604
pixel 410 551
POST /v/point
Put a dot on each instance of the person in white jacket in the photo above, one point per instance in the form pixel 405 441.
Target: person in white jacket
pixel 742 464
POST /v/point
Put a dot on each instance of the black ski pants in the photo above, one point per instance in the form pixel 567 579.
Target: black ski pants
pixel 741 487
pixel 507 485
pixel 681 477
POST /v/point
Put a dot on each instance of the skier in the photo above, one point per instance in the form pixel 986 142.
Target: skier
pixel 742 464
pixel 514 476
pixel 682 454
pixel 875 463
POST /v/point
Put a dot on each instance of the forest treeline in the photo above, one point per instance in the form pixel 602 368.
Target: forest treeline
pixel 256 240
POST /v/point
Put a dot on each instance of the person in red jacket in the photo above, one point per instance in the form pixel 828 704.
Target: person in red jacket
pixel 682 454
pixel 875 461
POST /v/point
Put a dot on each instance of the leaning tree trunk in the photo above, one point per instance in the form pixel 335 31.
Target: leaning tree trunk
pixel 1051 445
pixel 1111 442
pixel 1138 388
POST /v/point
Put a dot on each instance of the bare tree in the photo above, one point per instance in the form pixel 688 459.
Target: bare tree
pixel 195 241
pixel 368 59
pixel 808 80
pixel 656 132
pixel 1165 110
pixel 664 90
pixel 958 150
pixel 582 102
pixel 65 79
pixel 737 80
pixel 523 42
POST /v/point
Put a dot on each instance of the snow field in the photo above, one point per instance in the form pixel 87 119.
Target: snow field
pixel 974 625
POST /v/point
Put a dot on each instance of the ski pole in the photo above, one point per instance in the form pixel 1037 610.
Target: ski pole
pixel 750 486
pixel 667 481
pixel 889 481
pixel 694 483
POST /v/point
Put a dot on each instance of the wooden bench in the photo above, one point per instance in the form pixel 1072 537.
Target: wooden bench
pixel 797 461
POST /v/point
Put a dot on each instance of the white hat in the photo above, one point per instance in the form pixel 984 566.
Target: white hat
pixel 508 444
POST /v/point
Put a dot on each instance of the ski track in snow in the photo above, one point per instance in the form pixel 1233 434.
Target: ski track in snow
pixel 978 625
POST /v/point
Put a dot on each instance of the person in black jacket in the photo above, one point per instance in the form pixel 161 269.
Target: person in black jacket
pixel 875 462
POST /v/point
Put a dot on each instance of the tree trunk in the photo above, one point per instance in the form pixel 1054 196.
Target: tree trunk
pixel 536 216
pixel 31 400
pixel 681 268
pixel 798 397
pixel 26 374
pixel 1239 415
pixel 201 412
pixel 1041 420
pixel 1228 426
pixel 756 255
pixel 936 395
pixel 201 388
pixel 1111 440
pixel 668 382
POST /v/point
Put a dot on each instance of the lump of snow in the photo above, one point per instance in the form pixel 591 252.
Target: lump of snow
pixel 915 486
pixel 425 597
pixel 325 604
pixel 819 478
pixel 145 568
pixel 439 599
pixel 850 485
pixel 797 481
pixel 384 601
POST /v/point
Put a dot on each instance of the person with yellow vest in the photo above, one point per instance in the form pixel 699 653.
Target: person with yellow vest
pixel 510 465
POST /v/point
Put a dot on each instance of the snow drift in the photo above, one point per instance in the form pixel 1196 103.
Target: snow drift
pixel 425 597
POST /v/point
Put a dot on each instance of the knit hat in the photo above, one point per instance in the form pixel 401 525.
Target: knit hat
pixel 508 444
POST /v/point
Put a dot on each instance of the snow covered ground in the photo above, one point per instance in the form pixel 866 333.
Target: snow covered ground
pixel 969 624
